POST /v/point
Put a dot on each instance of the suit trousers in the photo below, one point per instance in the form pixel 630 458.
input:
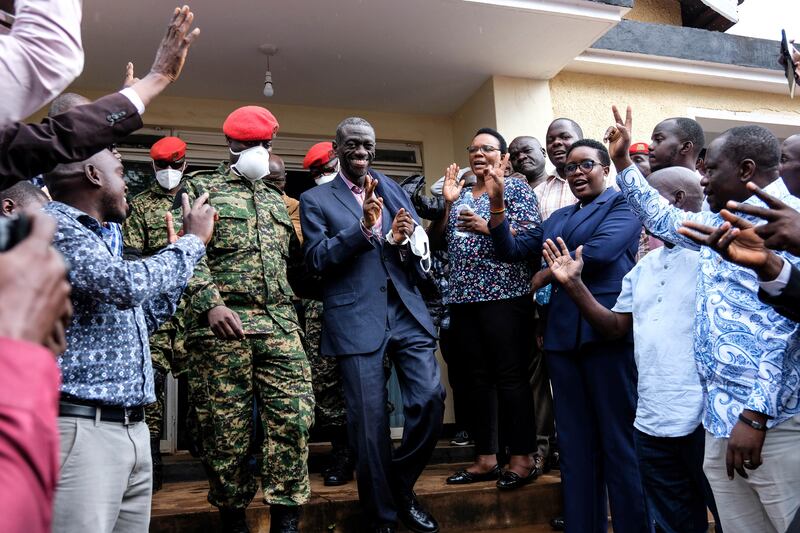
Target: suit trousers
pixel 383 473
pixel 594 397
pixel 105 483
pixel 769 498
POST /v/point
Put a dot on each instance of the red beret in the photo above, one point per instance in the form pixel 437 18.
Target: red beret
pixel 639 148
pixel 250 123
pixel 318 155
pixel 168 149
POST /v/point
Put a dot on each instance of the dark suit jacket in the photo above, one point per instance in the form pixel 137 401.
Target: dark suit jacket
pixel 27 150
pixel 355 270
pixel 609 233
pixel 787 302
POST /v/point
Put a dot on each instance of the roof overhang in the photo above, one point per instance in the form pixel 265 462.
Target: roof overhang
pixel 415 56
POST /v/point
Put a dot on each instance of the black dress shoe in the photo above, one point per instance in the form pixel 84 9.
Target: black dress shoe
pixel 339 473
pixel 284 519
pixel 464 477
pixel 414 517
pixel 558 523
pixel 510 480
pixel 233 520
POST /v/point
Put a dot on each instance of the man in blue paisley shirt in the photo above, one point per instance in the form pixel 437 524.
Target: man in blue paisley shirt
pixel 107 376
pixel 746 353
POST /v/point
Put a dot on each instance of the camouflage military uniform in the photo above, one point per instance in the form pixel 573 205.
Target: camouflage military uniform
pixel 245 269
pixel 145 233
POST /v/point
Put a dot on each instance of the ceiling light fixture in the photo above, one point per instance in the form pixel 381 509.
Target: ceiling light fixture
pixel 268 50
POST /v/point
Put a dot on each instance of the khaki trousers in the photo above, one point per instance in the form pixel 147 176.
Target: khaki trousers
pixel 105 484
pixel 767 501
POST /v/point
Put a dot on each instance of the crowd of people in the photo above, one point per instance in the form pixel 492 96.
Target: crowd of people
pixel 630 319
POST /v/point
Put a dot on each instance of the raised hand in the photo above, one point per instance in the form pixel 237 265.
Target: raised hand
pixel 782 230
pixel 494 179
pixel 373 204
pixel 197 220
pixel 171 54
pixel 618 138
pixel 402 226
pixel 736 241
pixel 563 267
pixel 452 187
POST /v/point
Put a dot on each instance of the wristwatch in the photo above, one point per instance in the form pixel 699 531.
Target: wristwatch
pixel 752 423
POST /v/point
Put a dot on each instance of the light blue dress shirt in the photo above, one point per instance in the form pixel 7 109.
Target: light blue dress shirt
pixel 660 293
pixel 748 355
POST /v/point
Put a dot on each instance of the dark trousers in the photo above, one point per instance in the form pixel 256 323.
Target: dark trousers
pixel 495 339
pixel 383 473
pixel 594 397
pixel 677 488
pixel 458 377
pixel 543 404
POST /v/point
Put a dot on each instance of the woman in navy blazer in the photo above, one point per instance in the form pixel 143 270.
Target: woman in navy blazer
pixel 594 380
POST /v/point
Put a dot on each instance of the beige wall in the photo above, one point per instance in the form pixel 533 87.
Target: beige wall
pixel 477 112
pixel 587 99
pixel 523 107
pixel 434 132
pixel 656 11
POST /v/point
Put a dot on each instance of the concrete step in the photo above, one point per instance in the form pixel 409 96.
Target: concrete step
pixel 181 507
pixel 183 467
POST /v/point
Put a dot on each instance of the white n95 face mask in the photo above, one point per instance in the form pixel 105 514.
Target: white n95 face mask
pixel 169 178
pixel 253 163
pixel 420 246
pixel 325 178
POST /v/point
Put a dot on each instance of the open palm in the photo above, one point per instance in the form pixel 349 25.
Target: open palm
pixel 564 268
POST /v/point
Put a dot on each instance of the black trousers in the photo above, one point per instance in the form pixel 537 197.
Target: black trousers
pixel 495 340
pixel 458 378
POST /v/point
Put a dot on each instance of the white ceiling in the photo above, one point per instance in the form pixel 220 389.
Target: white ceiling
pixel 414 56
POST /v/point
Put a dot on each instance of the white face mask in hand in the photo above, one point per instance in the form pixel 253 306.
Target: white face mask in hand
pixel 253 163
pixel 419 245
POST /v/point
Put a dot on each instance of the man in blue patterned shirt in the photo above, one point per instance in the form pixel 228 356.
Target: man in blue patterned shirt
pixel 747 354
pixel 106 369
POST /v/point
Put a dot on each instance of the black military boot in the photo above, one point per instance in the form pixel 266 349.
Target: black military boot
pixel 284 519
pixel 233 520
pixel 158 465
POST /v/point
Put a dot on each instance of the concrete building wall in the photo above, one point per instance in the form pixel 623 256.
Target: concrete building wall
pixel 656 12
pixel 588 99
pixel 478 111
pixel 522 107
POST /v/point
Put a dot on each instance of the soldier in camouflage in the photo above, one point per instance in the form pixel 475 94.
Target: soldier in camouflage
pixel 244 334
pixel 145 233
pixel 331 412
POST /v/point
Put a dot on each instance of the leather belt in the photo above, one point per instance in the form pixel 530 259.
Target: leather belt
pixel 123 415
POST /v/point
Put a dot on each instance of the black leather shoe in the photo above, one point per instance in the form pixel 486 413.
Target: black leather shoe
pixel 284 519
pixel 233 520
pixel 414 517
pixel 464 477
pixel 339 473
pixel 558 523
pixel 510 480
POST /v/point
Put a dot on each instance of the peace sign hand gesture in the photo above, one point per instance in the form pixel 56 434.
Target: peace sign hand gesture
pixel 618 138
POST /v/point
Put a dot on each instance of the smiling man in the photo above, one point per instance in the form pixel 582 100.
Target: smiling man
pixel 554 193
pixel 356 231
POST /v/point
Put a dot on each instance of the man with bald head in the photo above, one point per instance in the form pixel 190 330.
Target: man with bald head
pixel 554 193
pixel 107 376
pixel 659 292
pixel 527 158
pixel 790 164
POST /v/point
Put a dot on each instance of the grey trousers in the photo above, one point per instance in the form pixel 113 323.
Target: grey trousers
pixel 767 501
pixel 105 484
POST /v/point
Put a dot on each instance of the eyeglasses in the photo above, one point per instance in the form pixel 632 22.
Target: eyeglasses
pixel 171 164
pixel 484 149
pixel 586 165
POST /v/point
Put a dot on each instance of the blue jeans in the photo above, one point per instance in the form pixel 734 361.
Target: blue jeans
pixel 672 474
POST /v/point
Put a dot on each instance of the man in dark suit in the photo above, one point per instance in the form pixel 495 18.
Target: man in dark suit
pixel 355 229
